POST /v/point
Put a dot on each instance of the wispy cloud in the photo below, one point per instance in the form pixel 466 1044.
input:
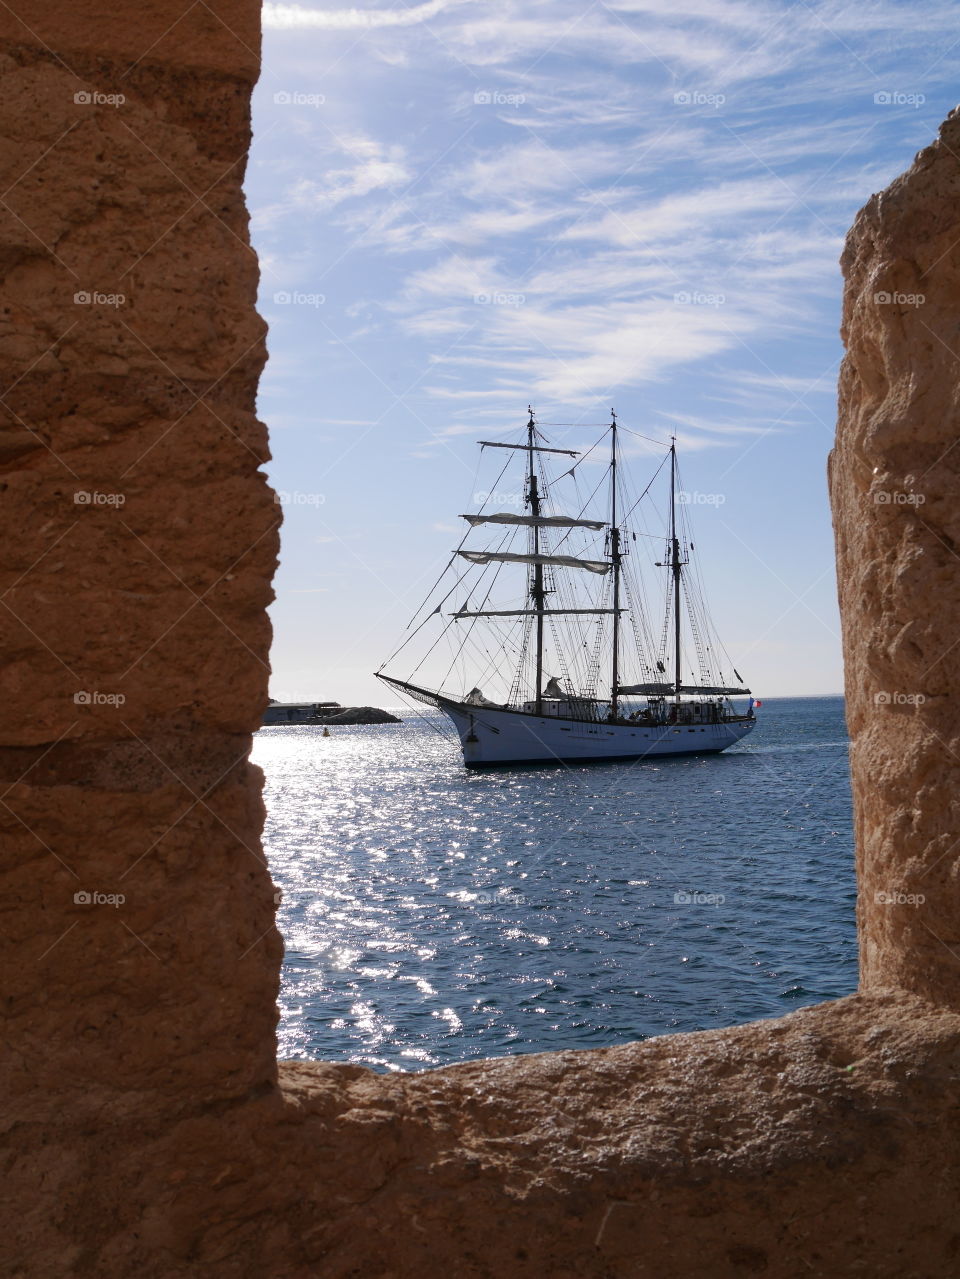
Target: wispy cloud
pixel 559 230
pixel 286 17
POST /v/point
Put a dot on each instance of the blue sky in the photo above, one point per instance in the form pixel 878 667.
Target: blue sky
pixel 466 206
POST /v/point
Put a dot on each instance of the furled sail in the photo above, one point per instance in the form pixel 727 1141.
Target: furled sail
pixel 507 557
pixel 712 691
pixel 532 521
pixel 476 698
pixel 537 448
pixel 530 612
pixel 667 690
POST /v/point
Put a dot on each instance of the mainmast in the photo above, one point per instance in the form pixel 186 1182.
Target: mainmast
pixel 536 590
pixel 615 559
pixel 675 565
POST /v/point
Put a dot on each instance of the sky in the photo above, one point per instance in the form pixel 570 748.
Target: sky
pixel 463 207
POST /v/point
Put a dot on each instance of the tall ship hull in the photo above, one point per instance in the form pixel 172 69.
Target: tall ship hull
pixel 626 689
pixel 506 737
pixel 491 736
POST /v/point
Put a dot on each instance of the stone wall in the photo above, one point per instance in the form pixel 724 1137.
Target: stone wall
pixel 147 1128
pixel 139 541
pixel 895 482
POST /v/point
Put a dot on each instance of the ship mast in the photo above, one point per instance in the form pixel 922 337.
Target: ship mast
pixel 536 590
pixel 615 559
pixel 675 565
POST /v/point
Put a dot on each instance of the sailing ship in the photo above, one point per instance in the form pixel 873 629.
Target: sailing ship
pixel 571 666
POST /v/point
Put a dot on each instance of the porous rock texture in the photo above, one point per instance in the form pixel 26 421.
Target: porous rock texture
pixel 895 484
pixel 139 540
pixel 146 1128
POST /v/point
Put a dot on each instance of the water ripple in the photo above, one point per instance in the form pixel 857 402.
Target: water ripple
pixel 433 915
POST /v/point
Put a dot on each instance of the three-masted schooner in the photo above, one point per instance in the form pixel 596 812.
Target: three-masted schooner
pixel 579 671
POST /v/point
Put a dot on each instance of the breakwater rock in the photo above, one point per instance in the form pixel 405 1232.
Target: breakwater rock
pixel 325 713
pixel 357 715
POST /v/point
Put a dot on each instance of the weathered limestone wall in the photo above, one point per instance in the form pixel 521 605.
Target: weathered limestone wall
pixel 146 1128
pixel 139 539
pixel 895 488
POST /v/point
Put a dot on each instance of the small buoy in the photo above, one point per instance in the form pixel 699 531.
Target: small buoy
pixel 326 731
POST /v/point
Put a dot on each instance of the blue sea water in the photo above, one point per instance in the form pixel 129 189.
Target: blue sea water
pixel 434 915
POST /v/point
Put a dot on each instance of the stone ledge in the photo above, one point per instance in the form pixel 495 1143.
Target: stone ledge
pixel 821 1143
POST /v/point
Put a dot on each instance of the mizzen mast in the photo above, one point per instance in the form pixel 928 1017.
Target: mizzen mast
pixel 615 560
pixel 676 565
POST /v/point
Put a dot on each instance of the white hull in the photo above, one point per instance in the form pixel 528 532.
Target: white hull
pixel 510 737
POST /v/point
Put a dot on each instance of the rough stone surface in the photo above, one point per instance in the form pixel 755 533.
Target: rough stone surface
pixel 146 1128
pixel 139 540
pixel 823 1143
pixel 895 478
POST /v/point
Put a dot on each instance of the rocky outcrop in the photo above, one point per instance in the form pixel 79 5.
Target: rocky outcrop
pixel 147 1128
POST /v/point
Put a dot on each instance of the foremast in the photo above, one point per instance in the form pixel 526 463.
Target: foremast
pixel 538 592
pixel 538 555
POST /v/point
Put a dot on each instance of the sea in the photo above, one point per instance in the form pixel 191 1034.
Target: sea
pixel 433 915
